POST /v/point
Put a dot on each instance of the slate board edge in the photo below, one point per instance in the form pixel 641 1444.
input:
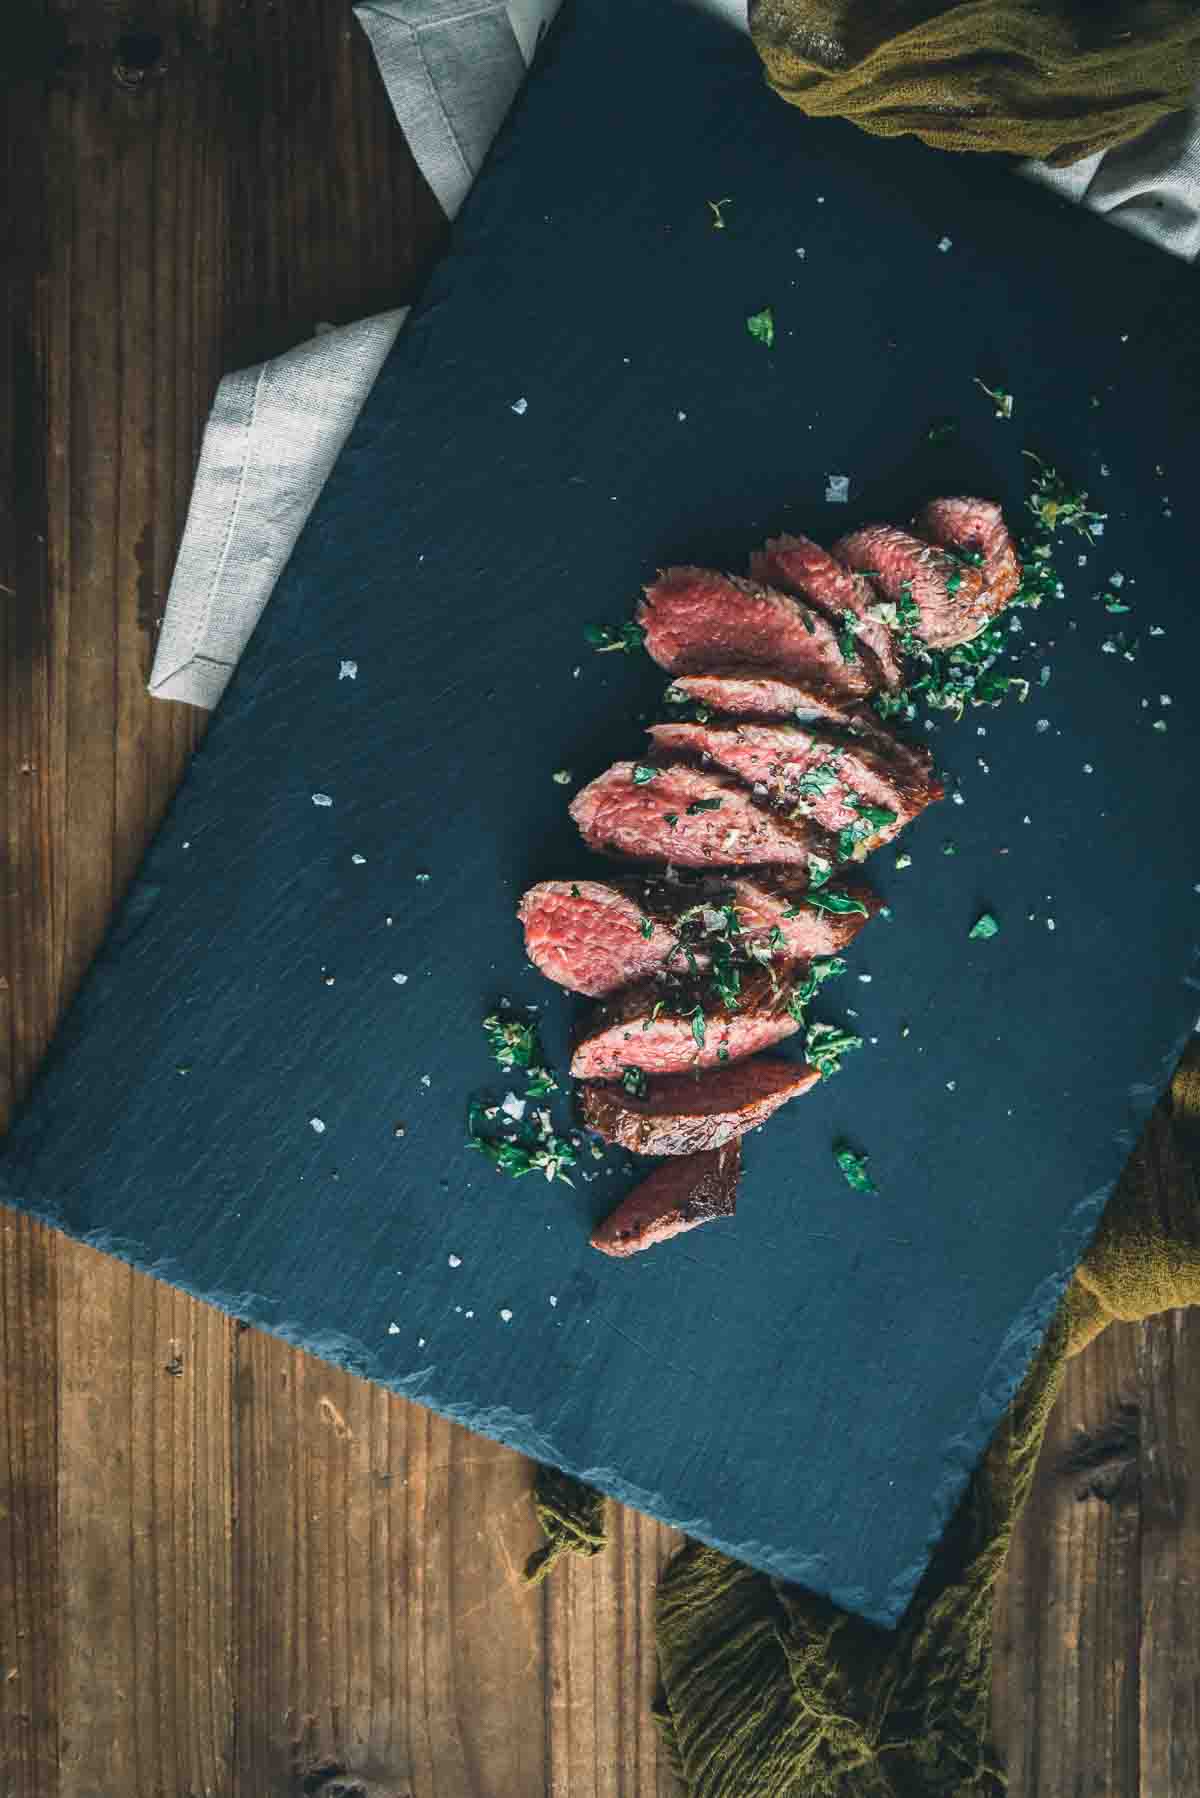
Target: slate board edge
pixel 1021 1344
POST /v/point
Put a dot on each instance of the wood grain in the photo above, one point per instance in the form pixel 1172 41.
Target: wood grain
pixel 226 1570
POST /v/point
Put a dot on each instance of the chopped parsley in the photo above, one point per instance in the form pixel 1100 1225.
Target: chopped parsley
pixel 1056 505
pixel 513 1044
pixel 703 805
pixel 761 326
pixel 605 638
pixel 854 1168
pixel 516 1045
pixel 817 781
pixel 1001 400
pixel 825 1045
pixel 575 892
pixel 647 928
pixel 634 1081
pixel 820 969
pixel 532 1148
pixel 849 839
pixel 984 926
pixel 848 638
pixel 726 979
pixel 717 208
pixel 840 903
pixel 671 818
pixel 698 1026
pixel 875 815
pixel 642 773
pixel 819 871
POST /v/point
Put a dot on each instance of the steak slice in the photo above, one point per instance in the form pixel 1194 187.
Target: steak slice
pixel 767 903
pixel 688 817
pixel 798 565
pixel 684 1113
pixel 949 596
pixel 673 1032
pixel 592 935
pixel 976 525
pixel 756 693
pixel 841 782
pixel 696 620
pixel 596 943
pixel 682 1193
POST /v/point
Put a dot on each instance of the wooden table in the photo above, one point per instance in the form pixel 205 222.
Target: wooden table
pixel 226 1568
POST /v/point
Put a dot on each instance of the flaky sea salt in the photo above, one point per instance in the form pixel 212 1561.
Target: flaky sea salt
pixel 837 489
pixel 318 1125
pixel 520 407
pixel 393 1329
pixel 321 799
pixel 454 1260
pixel 360 861
pixel 505 1315
pixel 400 979
pixel 348 671
pixel 945 243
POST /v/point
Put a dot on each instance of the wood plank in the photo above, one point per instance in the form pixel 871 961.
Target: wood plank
pixel 386 1637
pixel 602 1668
pixel 1065 1700
pixel 145 1522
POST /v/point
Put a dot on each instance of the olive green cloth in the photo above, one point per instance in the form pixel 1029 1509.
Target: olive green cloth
pixel 769 1692
pixel 1053 79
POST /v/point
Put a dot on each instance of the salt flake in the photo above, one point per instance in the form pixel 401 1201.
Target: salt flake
pixel 348 671
pixel 317 1124
pixel 400 979
pixel 945 243
pixel 393 1329
pixel 454 1260
pixel 321 799
pixel 837 489
pixel 506 1316
pixel 360 861
pixel 520 407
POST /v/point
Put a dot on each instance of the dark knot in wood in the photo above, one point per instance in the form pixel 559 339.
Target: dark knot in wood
pixel 137 56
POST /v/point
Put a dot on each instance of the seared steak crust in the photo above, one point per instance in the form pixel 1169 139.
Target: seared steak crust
pixel 684 1113
pixel 684 1192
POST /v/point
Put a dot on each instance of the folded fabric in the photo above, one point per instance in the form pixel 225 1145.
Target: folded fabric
pixel 769 1692
pixel 1056 79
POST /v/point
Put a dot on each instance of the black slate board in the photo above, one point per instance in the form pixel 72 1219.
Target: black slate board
pixel 810 1385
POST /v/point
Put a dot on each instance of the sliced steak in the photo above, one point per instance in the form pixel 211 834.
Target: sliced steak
pixel 755 693
pixel 597 943
pixel 592 935
pixel 798 565
pixel 696 621
pixel 684 1113
pixel 690 818
pixel 976 525
pixel 949 595
pixel 843 783
pixel 684 1192
pixel 673 1031
pixel 768 902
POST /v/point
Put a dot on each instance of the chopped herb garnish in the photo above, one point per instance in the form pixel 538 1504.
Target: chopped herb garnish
pixel 761 326
pixel 848 638
pixel 671 818
pixel 819 871
pixel 533 1148
pixel 949 849
pixel 849 839
pixel 634 1081
pixel 722 1054
pixel 817 781
pixel 825 1045
pixel 604 638
pixel 854 1168
pixel 514 1045
pixel 541 1083
pixel 875 815
pixel 725 977
pixel 717 207
pixel 698 1026
pixel 1054 504
pixel 703 805
pixel 642 773
pixel 647 928
pixel 575 893
pixel 840 903
pixel 983 927
pixel 820 969
pixel 1001 400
